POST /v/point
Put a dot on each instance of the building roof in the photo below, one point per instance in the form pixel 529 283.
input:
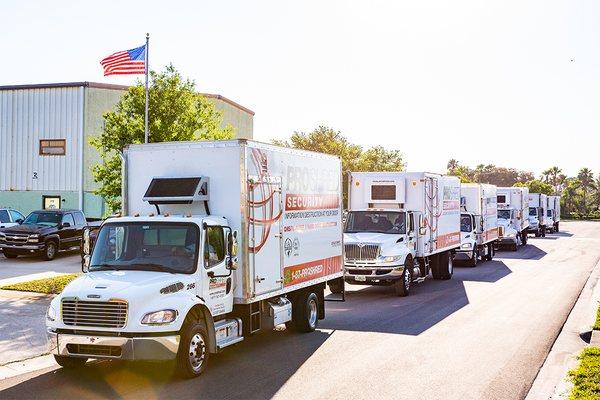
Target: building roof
pixel 99 85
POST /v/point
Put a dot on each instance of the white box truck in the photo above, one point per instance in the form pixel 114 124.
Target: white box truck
pixel 400 225
pixel 478 222
pixel 513 212
pixel 220 240
pixel 553 212
pixel 538 206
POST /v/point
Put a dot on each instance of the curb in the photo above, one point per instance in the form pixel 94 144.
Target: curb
pixel 595 342
pixel 16 368
pixel 16 294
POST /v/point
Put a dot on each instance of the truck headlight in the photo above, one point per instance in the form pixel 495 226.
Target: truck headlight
pixel 51 313
pixel 34 238
pixel 389 259
pixel 466 245
pixel 2 237
pixel 159 317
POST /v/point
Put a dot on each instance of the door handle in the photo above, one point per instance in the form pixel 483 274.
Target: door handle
pixel 259 280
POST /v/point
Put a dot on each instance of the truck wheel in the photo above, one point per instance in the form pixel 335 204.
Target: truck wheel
pixel 556 227
pixel 336 286
pixel 491 252
pixel 402 286
pixel 305 312
pixel 70 362
pixel 524 238
pixel 49 250
pixel 537 233
pixel 473 261
pixel 10 255
pixel 514 246
pixel 446 265
pixel 543 231
pixel 434 262
pixel 192 356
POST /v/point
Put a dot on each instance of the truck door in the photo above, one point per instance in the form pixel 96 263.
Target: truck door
pixel 265 209
pixel 217 284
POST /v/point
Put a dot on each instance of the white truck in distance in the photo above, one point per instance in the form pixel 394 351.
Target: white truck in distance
pixel 478 222
pixel 221 240
pixel 554 212
pixel 400 225
pixel 513 211
pixel 538 206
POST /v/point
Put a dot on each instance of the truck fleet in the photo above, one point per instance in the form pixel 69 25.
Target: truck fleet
pixel 221 240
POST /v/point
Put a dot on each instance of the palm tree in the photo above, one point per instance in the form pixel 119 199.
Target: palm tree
pixel 545 175
pixel 586 177
pixel 452 165
pixel 553 175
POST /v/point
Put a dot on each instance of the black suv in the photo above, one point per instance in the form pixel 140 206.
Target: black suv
pixel 44 233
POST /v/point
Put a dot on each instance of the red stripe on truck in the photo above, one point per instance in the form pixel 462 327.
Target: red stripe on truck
pixel 311 270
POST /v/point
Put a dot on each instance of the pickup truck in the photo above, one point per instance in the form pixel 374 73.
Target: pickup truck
pixel 45 233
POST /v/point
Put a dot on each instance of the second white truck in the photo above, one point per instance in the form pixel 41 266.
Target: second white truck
pixel 513 211
pixel 553 212
pixel 478 222
pixel 538 206
pixel 400 226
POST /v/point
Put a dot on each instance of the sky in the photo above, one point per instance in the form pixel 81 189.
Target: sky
pixel 511 83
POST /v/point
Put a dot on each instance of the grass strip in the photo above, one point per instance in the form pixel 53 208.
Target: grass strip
pixel 53 285
pixel 586 377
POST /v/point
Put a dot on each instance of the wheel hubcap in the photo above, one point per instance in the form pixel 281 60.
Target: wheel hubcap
pixel 197 352
pixel 450 264
pixel 312 315
pixel 50 250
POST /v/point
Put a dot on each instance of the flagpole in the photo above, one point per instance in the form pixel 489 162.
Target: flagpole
pixel 146 108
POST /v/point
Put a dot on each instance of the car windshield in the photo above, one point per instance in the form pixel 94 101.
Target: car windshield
pixel 465 223
pixel 504 214
pixel 166 247
pixel 533 211
pixel 376 221
pixel 43 218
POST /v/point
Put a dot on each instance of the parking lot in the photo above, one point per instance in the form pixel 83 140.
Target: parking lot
pixel 65 262
pixel 483 334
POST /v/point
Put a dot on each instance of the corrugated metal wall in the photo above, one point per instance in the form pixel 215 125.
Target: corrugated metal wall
pixel 26 117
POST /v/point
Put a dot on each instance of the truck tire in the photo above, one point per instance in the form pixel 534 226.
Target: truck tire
pixel 336 286
pixel 446 266
pixel 491 252
pixel 514 246
pixel 537 233
pixel 9 254
pixel 524 238
pixel 556 227
pixel 434 262
pixel 50 250
pixel 70 362
pixel 543 231
pixel 402 286
pixel 305 312
pixel 473 261
pixel 193 354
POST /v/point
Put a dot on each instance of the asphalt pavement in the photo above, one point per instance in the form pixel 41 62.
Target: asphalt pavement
pixel 65 262
pixel 482 335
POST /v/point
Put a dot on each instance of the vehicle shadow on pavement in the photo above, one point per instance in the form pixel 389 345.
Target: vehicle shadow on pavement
pixel 428 303
pixel 527 252
pixel 253 369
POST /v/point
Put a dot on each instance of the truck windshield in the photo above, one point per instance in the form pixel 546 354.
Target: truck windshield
pixel 533 211
pixel 156 246
pixel 549 213
pixel 504 214
pixel 43 218
pixel 465 223
pixel 376 221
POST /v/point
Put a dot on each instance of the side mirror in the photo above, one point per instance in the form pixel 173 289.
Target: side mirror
pixel 85 263
pixel 65 225
pixel 19 221
pixel 231 264
pixel 232 243
pixel 86 246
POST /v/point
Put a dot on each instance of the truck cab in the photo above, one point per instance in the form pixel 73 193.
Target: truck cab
pixel 549 220
pixel 468 239
pixel 509 235
pixel 536 222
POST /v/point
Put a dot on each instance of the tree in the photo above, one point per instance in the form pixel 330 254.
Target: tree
pixel 553 176
pixel 175 112
pixel 537 186
pixel 354 158
pixel 586 179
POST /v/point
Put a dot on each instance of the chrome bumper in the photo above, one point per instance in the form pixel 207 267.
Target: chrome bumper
pixel 122 348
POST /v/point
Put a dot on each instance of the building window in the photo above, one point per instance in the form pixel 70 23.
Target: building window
pixel 54 147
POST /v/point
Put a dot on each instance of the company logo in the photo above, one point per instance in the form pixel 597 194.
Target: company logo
pixel 288 246
pixel 93 296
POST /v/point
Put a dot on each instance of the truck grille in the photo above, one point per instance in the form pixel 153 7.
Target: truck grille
pixel 106 314
pixel 16 238
pixel 364 252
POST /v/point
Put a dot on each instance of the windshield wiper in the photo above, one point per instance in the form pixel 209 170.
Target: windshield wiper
pixel 104 267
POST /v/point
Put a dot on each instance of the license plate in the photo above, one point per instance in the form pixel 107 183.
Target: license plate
pixel 360 278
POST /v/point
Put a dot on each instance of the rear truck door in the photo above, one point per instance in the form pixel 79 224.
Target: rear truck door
pixel 217 280
pixel 265 209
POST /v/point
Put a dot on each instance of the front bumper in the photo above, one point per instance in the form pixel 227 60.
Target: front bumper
pixel 507 240
pixel 463 254
pixel 113 347
pixel 22 249
pixel 372 275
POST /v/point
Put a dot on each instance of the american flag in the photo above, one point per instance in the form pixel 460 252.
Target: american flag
pixel 128 62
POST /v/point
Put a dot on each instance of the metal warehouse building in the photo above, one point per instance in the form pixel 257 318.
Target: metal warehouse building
pixel 45 155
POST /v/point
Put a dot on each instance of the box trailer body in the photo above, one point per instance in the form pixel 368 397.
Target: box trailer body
pixel 422 211
pixel 554 212
pixel 269 236
pixel 538 206
pixel 479 222
pixel 513 211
